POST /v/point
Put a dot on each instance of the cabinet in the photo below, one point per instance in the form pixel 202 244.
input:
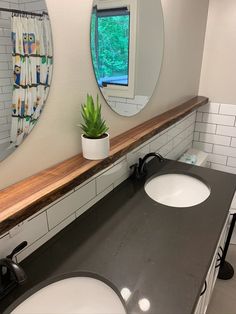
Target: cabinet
pixel 212 274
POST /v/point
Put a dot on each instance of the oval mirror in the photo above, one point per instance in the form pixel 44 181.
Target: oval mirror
pixel 26 63
pixel 127 42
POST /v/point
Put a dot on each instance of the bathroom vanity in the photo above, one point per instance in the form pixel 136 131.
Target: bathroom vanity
pixel 161 254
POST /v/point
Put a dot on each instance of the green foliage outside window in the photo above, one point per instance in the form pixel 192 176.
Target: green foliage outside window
pixel 110 45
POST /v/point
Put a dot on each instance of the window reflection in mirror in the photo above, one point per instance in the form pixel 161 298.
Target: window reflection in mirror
pixel 110 34
pixel 113 46
pixel 127 50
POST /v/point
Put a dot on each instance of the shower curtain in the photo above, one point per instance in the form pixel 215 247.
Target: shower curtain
pixel 32 68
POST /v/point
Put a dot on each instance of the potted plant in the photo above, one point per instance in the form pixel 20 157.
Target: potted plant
pixel 95 139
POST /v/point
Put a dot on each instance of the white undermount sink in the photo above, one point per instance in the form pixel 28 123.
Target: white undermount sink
pixel 177 190
pixel 75 295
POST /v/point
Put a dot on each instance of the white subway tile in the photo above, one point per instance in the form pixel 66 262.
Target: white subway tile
pixel 5 24
pixel 4 81
pixel 203 146
pixel 7 89
pixel 178 139
pixel 196 136
pixel 5 97
pixel 231 162
pixel 191 119
pixel 137 153
pixel 233 143
pixel 127 110
pixel 108 177
pixel 199 116
pixel 215 139
pixel 211 108
pixel 3 141
pixel 29 231
pixel 218 159
pixel 224 150
pixel 164 150
pixel 218 119
pixel 228 109
pixel 67 206
pixel 6 74
pixel 33 247
pixel 138 100
pixel 5 4
pixel 3 65
pixel 93 201
pixel 159 142
pixel 117 99
pixel 189 130
pixel 121 179
pixel 4 135
pixel 226 130
pixel 5 57
pixel 173 132
pixel 205 127
pixel 223 168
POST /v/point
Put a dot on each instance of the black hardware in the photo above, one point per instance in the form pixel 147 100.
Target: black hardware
pixel 218 261
pixel 140 168
pixel 26 13
pixel 204 289
pixel 11 273
pixel 16 250
pixel 226 269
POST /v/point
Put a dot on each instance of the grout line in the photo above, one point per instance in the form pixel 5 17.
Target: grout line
pixel 215 144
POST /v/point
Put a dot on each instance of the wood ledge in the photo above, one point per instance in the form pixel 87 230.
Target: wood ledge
pixel 23 199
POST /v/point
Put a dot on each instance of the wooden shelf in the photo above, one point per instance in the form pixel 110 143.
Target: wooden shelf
pixel 25 198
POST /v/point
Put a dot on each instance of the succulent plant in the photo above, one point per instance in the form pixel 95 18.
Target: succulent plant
pixel 93 126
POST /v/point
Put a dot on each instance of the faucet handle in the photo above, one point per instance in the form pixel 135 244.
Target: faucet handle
pixel 136 170
pixel 11 273
pixel 17 249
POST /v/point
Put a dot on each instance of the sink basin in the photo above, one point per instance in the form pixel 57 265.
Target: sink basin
pixel 177 190
pixel 83 295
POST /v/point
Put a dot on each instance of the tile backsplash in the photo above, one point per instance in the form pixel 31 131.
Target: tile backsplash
pixel 215 133
pixel 39 228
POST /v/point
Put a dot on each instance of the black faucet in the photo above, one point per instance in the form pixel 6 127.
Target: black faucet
pixel 11 273
pixel 140 168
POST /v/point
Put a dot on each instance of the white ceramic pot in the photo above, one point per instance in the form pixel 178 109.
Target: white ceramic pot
pixel 95 149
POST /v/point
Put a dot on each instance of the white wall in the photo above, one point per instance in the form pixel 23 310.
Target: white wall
pixel 56 137
pixel 219 62
pixel 149 46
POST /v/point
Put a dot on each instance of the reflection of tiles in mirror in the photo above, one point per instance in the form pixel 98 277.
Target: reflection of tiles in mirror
pixel 6 66
pixel 128 106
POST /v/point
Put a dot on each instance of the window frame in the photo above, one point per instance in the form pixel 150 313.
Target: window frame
pixel 115 90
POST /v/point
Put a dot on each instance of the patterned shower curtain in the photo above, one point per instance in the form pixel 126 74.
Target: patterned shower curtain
pixel 32 66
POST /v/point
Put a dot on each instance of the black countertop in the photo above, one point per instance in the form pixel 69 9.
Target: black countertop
pixel 158 252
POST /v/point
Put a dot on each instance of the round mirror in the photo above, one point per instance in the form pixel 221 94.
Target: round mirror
pixel 127 42
pixel 26 63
